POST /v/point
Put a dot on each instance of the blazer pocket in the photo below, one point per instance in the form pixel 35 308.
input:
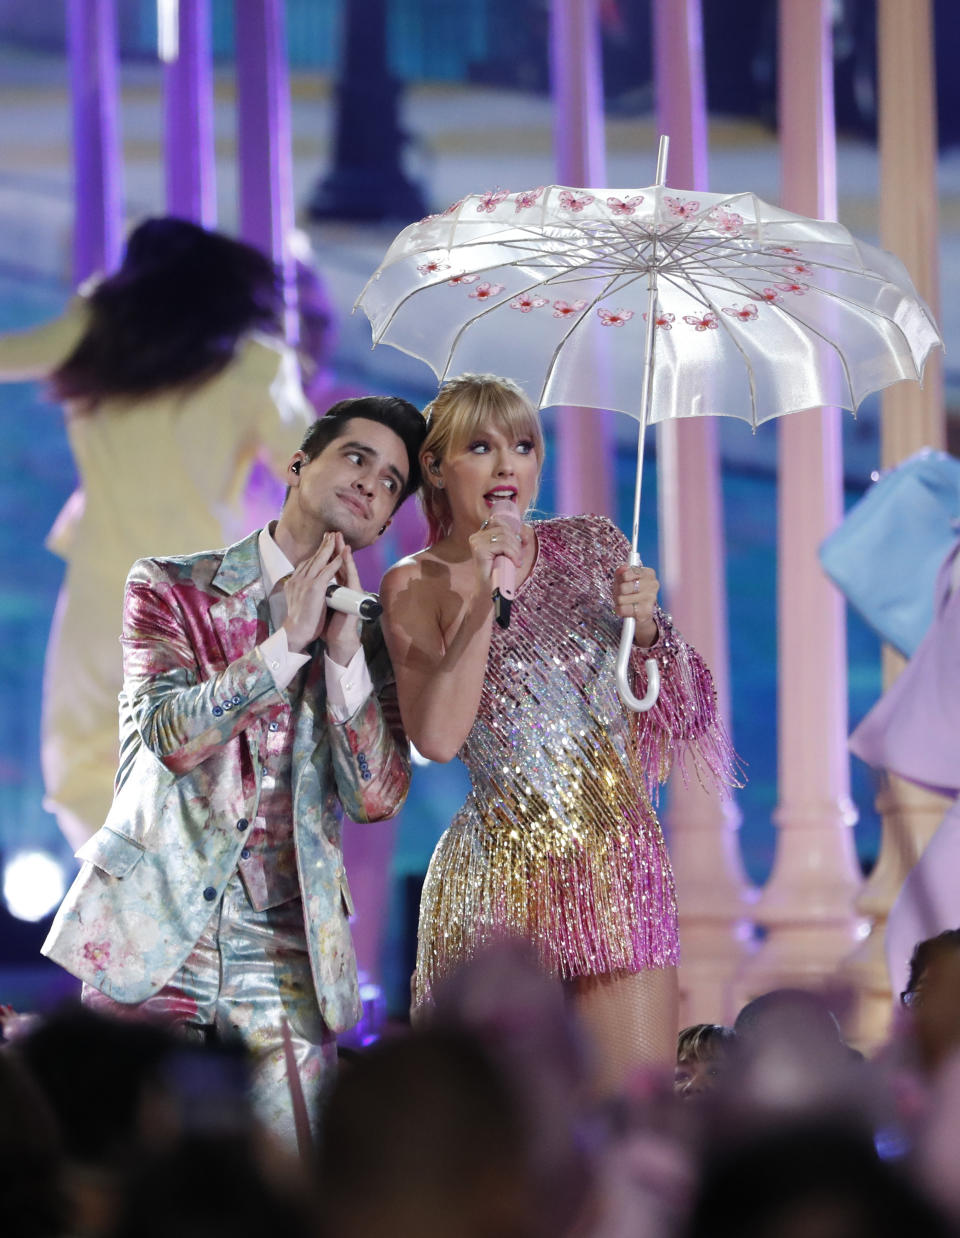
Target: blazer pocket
pixel 112 853
pixel 346 896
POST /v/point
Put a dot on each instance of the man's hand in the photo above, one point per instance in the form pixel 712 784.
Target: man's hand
pixel 306 592
pixel 342 632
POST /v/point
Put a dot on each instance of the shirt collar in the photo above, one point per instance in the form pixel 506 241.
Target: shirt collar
pixel 274 564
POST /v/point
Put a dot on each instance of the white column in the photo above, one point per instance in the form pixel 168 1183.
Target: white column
pixel 713 893
pixel 584 451
pixel 807 905
pixel 912 417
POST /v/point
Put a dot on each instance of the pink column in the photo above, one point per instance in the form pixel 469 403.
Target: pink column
pixel 713 893
pixel 808 904
pixel 584 452
pixel 188 117
pixel 263 135
pixel 97 165
pixel 912 417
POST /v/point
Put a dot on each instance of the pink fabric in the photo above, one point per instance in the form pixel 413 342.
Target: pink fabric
pixel 914 729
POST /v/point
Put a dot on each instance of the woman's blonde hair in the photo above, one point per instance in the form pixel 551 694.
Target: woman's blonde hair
pixel 462 408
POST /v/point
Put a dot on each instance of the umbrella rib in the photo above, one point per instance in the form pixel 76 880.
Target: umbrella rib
pixel 736 343
pixel 552 363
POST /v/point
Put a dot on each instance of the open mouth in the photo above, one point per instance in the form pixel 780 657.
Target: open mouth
pixel 502 492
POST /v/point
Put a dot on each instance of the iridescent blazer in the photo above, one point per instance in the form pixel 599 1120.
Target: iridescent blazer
pixel 197 698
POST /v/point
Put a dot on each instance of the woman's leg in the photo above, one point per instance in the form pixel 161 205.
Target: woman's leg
pixel 631 1022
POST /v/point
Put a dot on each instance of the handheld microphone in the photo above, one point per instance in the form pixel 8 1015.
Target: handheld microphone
pixel 504 570
pixel 353 602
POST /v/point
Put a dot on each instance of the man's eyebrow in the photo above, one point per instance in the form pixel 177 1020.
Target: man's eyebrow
pixel 354 445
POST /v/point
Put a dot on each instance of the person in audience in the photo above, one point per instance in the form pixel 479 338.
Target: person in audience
pixel 702 1053
pixel 424 1138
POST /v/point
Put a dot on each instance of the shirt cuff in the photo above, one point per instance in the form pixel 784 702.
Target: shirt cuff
pixel 347 686
pixel 281 662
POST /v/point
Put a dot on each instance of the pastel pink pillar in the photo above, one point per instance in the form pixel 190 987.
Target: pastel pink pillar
pixel 712 891
pixel 97 162
pixel 807 905
pixel 913 416
pixel 189 154
pixel 584 452
pixel 263 137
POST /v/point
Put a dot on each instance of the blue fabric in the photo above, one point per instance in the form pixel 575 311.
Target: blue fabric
pixel 885 555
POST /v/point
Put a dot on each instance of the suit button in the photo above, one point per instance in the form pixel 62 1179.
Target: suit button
pixel 209 894
pixel 242 824
pixel 228 704
pixel 245 854
pixel 237 700
pixel 274 726
pixel 217 711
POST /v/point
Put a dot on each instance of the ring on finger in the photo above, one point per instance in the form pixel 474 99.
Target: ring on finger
pixel 493 539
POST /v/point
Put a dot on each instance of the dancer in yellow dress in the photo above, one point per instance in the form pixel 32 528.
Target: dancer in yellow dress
pixel 174 379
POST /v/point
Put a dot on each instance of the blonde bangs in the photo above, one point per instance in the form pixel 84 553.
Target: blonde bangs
pixel 464 407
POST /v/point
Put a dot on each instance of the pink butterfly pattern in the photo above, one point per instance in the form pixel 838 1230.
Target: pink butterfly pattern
pixel 663 320
pixel 454 280
pixel 614 318
pixel 727 222
pixel 570 202
pixel 432 267
pixel 525 303
pixel 744 313
pixel 767 294
pixel 484 291
pixel 709 321
pixel 797 289
pixel 563 309
pixel 491 200
pixel 798 268
pixel 681 208
pixel 624 206
pixel 527 198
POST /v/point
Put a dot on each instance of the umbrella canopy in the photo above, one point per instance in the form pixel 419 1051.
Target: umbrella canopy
pixel 657 302
pixel 759 311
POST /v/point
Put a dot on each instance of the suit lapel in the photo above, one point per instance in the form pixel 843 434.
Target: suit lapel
pixel 240 618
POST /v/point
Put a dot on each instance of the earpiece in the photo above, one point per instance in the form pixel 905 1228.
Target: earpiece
pixel 296 465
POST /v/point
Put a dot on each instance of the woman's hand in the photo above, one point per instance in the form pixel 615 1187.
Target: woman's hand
pixel 497 536
pixel 635 592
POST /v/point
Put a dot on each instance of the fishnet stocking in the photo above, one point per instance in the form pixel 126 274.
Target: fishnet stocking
pixel 630 1021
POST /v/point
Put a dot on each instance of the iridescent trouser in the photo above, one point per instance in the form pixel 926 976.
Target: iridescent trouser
pixel 248 972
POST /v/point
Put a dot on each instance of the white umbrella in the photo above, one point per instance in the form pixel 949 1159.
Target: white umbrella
pixel 657 302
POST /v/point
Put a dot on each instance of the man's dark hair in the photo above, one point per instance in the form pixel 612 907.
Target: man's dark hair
pixel 398 415
pixel 924 953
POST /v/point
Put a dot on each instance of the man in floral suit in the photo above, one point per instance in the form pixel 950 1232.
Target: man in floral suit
pixel 252 717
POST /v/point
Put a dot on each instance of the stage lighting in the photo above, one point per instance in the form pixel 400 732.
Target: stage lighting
pixel 33 884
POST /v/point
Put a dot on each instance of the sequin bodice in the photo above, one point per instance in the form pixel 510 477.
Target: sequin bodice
pixel 552 740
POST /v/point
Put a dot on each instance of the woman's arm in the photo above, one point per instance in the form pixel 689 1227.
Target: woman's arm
pixel 36 352
pixel 438 683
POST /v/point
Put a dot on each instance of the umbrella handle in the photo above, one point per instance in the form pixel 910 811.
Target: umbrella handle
pixel 623 672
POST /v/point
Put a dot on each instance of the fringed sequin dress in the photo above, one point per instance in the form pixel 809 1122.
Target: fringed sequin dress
pixel 558 841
